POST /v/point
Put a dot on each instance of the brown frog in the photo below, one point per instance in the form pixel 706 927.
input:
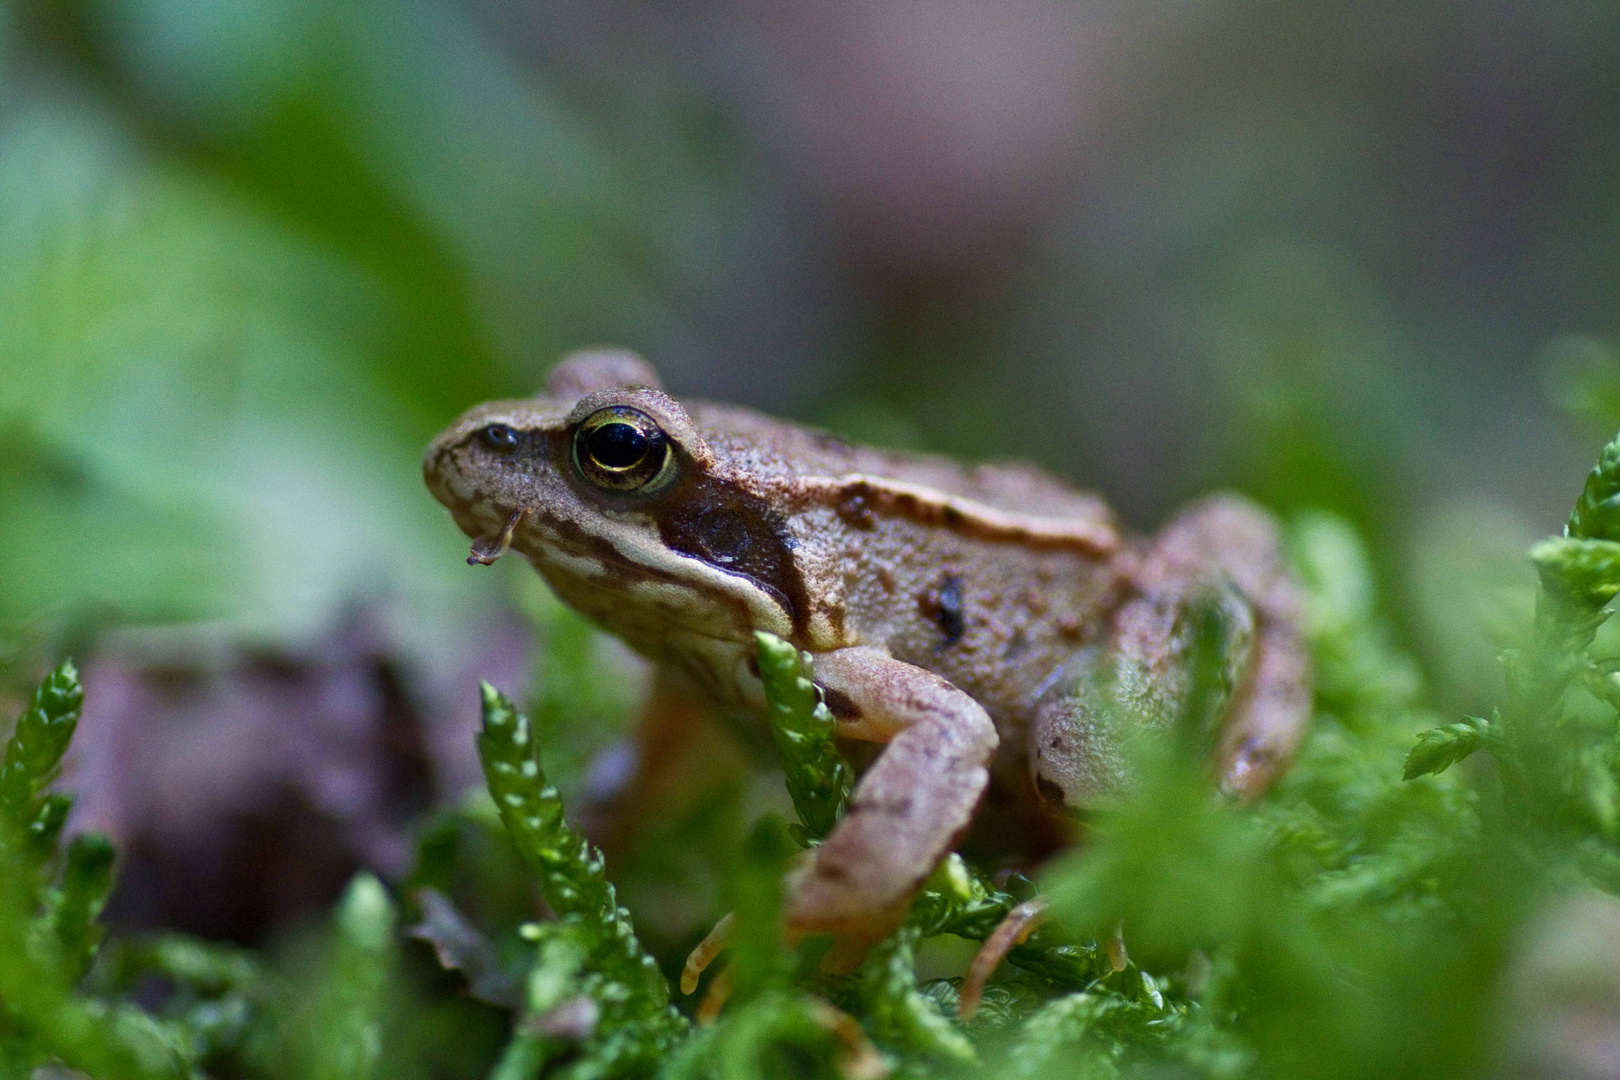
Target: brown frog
pixel 962 617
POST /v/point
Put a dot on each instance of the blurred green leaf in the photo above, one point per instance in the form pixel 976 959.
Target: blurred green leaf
pixel 1596 515
pixel 87 879
pixel 1581 374
pixel 338 1029
pixel 1439 748
pixel 1053 1042
pixel 777 1034
pixel 759 960
pixel 898 1014
pixel 1582 571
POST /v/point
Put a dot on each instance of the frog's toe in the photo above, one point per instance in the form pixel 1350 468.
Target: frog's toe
pixel 1014 929
pixel 1269 716
pixel 712 945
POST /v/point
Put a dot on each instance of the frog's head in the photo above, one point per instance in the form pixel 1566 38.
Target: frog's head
pixel 607 486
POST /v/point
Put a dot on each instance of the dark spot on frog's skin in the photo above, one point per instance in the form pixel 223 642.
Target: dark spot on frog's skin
pixel 840 705
pixel 855 510
pixel 951 515
pixel 1049 791
pixel 950 613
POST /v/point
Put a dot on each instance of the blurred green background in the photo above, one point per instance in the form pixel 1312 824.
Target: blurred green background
pixel 253 253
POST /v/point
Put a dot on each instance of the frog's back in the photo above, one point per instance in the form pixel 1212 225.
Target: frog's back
pixel 757 444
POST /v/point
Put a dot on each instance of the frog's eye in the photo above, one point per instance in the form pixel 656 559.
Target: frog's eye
pixel 621 449
pixel 499 438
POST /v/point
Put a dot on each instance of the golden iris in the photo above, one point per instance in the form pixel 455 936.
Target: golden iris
pixel 621 449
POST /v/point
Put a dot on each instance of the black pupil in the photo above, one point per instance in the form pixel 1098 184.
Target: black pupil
pixel 617 445
pixel 500 437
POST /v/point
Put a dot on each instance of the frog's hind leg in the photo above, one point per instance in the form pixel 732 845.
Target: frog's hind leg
pixel 1230 536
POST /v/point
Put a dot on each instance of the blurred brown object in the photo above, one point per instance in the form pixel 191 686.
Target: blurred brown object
pixel 934 130
pixel 244 786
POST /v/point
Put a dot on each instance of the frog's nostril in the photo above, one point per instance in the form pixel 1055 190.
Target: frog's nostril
pixel 499 437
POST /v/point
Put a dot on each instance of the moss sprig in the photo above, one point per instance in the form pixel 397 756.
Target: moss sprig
pixel 818 781
pixel 33 756
pixel 338 1026
pixel 899 1015
pixel 1559 764
pixel 49 933
pixel 637 1023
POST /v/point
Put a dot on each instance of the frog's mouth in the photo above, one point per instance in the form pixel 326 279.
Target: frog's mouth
pixel 486 549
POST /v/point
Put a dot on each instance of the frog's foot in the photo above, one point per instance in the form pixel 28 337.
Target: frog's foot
pixel 716 996
pixel 857 1059
pixel 909 809
pixel 1233 540
pixel 1014 929
pixel 712 945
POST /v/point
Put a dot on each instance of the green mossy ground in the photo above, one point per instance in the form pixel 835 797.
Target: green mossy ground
pixel 1374 916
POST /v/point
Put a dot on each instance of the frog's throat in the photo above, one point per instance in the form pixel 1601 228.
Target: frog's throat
pixel 634 587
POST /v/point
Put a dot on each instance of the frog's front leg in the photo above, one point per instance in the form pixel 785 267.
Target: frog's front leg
pixel 911 806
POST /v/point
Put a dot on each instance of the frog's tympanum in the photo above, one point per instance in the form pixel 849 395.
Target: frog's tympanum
pixel 961 617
